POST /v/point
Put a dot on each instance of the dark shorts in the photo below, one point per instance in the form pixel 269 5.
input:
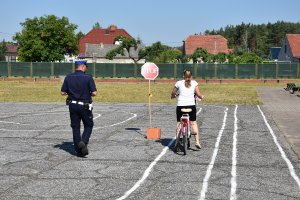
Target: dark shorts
pixel 191 114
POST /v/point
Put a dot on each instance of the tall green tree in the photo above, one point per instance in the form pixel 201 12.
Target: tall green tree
pixel 46 39
pixel 245 38
pixel 2 50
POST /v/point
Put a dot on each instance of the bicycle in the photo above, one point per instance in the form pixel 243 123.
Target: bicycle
pixel 184 134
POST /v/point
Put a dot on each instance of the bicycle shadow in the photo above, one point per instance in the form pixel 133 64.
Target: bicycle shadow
pixel 167 142
pixel 67 147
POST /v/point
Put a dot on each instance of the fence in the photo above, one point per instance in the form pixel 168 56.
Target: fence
pixel 111 70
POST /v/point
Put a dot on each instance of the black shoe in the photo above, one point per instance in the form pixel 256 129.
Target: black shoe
pixel 83 148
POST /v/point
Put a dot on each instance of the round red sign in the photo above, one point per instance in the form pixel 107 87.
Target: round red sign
pixel 149 71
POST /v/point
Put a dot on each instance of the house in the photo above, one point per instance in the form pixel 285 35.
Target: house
pixel 99 41
pixel 11 53
pixel 290 50
pixel 97 52
pixel 214 44
pixel 274 53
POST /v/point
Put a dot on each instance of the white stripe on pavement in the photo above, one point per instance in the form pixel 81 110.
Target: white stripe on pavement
pixel 148 170
pixel 234 155
pixel 211 164
pixel 283 155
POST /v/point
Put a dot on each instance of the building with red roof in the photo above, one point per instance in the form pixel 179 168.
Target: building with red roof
pixel 290 50
pixel 11 52
pixel 101 36
pixel 214 44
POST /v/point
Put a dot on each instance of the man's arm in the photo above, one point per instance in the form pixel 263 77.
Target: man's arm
pixel 94 93
pixel 63 93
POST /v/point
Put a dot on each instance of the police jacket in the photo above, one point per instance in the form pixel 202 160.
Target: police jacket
pixel 79 86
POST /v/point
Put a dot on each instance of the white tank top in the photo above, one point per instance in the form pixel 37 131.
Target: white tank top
pixel 186 95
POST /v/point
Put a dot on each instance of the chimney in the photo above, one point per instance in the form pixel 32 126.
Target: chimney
pixel 113 28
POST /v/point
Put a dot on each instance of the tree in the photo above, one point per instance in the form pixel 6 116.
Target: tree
pixel 79 35
pixel 2 50
pixel 125 44
pixel 247 58
pixel 245 38
pixel 46 39
pixel 200 54
pixel 97 25
pixel 219 58
pixel 157 52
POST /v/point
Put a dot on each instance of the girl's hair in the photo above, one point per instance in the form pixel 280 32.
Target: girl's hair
pixel 187 75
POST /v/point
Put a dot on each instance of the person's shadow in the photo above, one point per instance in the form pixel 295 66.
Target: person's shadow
pixel 67 147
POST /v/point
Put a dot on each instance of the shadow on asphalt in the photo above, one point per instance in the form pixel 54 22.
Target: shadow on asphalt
pixel 66 146
pixel 137 130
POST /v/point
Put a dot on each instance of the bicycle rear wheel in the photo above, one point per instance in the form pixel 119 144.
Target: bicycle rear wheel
pixel 184 143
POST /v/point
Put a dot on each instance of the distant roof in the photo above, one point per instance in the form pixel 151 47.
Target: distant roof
pixel 11 48
pixel 100 51
pixel 101 35
pixel 294 42
pixel 214 44
pixel 274 52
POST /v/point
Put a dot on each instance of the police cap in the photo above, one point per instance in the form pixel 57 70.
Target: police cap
pixel 80 62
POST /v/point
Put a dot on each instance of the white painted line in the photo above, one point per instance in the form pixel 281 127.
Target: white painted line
pixel 211 164
pixel 98 115
pixel 55 130
pixel 7 122
pixel 234 155
pixel 283 155
pixel 148 170
pixel 130 118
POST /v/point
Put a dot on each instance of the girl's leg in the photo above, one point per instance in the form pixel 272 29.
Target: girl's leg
pixel 195 132
pixel 177 131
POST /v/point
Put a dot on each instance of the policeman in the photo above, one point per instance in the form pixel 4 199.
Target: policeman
pixel 80 88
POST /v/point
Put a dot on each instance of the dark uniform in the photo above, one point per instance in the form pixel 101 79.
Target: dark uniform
pixel 79 87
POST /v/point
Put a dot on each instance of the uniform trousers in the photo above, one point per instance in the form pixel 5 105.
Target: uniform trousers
pixel 77 114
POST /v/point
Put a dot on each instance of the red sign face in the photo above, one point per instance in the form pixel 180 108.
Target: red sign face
pixel 149 71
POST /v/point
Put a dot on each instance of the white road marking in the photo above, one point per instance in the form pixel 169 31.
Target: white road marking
pixel 7 122
pixel 211 164
pixel 147 172
pixel 149 169
pixel 130 118
pixel 283 155
pixel 55 130
pixel 234 155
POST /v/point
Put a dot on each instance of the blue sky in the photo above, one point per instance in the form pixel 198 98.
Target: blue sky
pixel 167 21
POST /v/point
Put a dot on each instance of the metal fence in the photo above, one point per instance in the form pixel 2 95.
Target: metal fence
pixel 114 70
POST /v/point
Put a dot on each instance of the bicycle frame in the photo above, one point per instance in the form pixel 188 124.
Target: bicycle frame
pixel 185 124
pixel 184 132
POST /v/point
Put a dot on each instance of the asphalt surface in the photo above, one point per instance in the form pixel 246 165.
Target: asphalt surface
pixel 285 110
pixel 244 155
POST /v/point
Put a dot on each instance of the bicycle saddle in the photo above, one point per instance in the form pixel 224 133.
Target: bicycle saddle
pixel 186 110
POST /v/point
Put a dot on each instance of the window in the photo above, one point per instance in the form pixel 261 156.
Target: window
pixel 285 48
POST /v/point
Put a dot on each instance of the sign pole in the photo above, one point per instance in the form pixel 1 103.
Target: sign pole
pixel 150 71
pixel 150 105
